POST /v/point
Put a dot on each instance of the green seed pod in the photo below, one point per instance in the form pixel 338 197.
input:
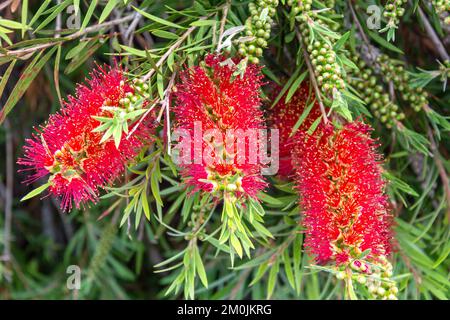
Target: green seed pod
pixel 416 97
pixel 257 25
pixel 373 93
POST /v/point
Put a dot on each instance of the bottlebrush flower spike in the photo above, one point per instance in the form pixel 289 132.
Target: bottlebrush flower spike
pixel 71 151
pixel 285 115
pixel 346 213
pixel 342 193
pixel 220 96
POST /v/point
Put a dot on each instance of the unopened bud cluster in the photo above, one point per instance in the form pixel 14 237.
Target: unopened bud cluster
pixel 323 58
pixel 197 220
pixel 129 102
pixel 376 277
pixel 379 283
pixel 444 69
pixel 225 183
pixel 258 27
pixel 393 11
pixel 416 97
pixel 442 7
pixel 332 22
pixel 374 95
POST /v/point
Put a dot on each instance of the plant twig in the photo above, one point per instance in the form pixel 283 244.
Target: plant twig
pixel 92 29
pixel 442 172
pixel 223 21
pixel 166 107
pixel 8 192
pixel 433 36
pixel 143 117
pixel 362 33
pixel 137 18
pixel 173 48
pixel 5 4
pixel 313 79
pixel 58 22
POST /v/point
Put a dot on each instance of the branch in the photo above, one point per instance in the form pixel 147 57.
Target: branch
pixel 78 34
pixel 362 33
pixel 8 192
pixel 442 172
pixel 223 21
pixel 313 79
pixel 173 48
pixel 170 50
pixel 137 18
pixel 165 106
pixel 433 36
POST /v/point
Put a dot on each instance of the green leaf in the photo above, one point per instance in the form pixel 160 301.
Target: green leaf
pixel 269 199
pixel 273 274
pixel 313 127
pixel 171 61
pixel 165 34
pixel 82 56
pixel 128 210
pixel 117 134
pixel 256 261
pixel 155 187
pixel 25 80
pixel 133 51
pixel 76 5
pixel 340 43
pixel 13 24
pixel 76 50
pixel 443 256
pixel 158 20
pixel 263 231
pixel 400 184
pixel 302 118
pixel 59 8
pixel 3 35
pixel 107 10
pixel 288 268
pixel 37 191
pixel 236 244
pixel 286 86
pixel 39 12
pixel 201 23
pixel 297 261
pixel 24 17
pixel 384 43
pixel 56 72
pixel 200 267
pixel 260 273
pixel 145 205
pixel 89 14
pixel 160 85
pixel 295 86
pixel 5 77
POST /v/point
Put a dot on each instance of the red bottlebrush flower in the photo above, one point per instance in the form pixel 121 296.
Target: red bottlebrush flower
pixel 284 116
pixel 338 174
pixel 215 96
pixel 67 148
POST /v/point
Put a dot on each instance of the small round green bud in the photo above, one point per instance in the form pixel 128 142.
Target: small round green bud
pixel 361 279
pixel 381 291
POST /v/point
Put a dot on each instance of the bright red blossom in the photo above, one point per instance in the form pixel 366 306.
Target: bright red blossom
pixel 67 149
pixel 338 174
pixel 216 97
pixel 284 117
